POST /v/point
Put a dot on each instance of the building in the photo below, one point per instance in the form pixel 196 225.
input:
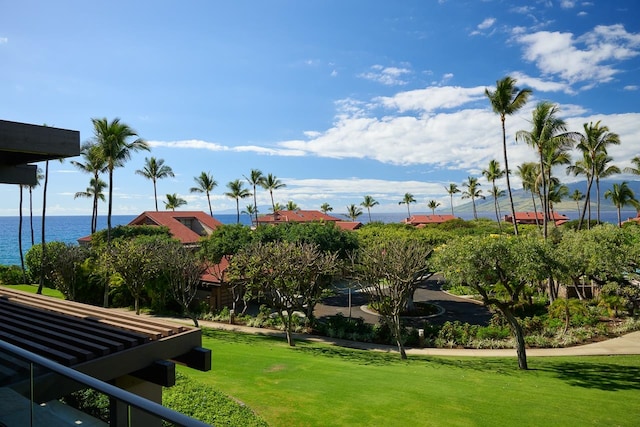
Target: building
pixel 536 218
pixel 423 220
pixel 296 216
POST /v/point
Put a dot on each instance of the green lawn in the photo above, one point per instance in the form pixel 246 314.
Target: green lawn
pixel 33 288
pixel 319 385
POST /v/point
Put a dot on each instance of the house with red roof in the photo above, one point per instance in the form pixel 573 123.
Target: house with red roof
pixel 296 216
pixel 536 218
pixel 423 220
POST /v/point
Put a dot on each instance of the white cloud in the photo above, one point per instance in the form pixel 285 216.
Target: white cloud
pixel 567 4
pixel 390 76
pixel 588 60
pixel 487 23
pixel 4 40
pixel 432 98
pixel 631 87
pixel 540 84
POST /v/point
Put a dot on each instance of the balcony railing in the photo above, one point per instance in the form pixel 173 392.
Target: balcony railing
pixel 35 391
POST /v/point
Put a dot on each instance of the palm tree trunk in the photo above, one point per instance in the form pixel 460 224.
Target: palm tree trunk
pixel 24 272
pixel 587 202
pixel 545 199
pixel 109 210
pixel 535 208
pixel 237 210
pixel 155 194
pixel 255 204
pixel 369 210
pixel 475 214
pixel 451 197
pixel 506 168
pixel 598 199
pixel 33 241
pixel 44 215
pixel 209 201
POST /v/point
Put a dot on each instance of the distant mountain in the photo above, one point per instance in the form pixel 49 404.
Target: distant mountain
pixel 522 199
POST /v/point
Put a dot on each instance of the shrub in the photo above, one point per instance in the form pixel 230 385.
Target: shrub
pixel 11 275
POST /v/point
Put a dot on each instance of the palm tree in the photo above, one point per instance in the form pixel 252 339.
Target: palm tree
pixel 621 195
pixel 433 206
pixel 528 173
pixel 353 212
pixel 237 191
pixel 155 169
pixel 505 101
pixel 496 193
pixel 472 192
pixel 249 210
pixel 113 139
pixel 95 192
pixel 603 169
pixel 368 203
pixel 39 177
pixel 277 207
pixel 576 196
pixel 492 173
pixel 174 201
pixel 548 135
pixel 595 139
pixel 636 166
pixel 205 184
pixel 94 164
pixel 325 207
pixel 254 179
pixel 291 206
pixel 407 200
pixel 452 189
pixel 557 192
pixel 24 272
pixel 583 167
pixel 271 183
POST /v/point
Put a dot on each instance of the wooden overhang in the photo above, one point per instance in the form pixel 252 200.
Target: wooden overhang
pixel 23 143
pixel 103 343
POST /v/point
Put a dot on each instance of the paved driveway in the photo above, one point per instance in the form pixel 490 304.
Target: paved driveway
pixel 455 308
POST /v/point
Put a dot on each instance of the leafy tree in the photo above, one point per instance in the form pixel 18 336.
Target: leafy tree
pixel 325 207
pixel 174 201
pixel 621 195
pixel 94 164
pixel 451 190
pixel 36 268
pixel 368 203
pixel 205 184
pixel 548 135
pixel 407 200
pixel 113 139
pixel 433 205
pixel 67 269
pixel 237 192
pixel 353 212
pixel 506 100
pixel 289 276
pixel 255 179
pixel 472 192
pixel 271 183
pixel 99 239
pixel 155 169
pixel 499 269
pixel 492 173
pixel 389 272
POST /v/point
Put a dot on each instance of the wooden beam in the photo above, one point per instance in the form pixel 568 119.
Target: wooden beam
pixel 20 174
pixel 160 372
pixel 23 143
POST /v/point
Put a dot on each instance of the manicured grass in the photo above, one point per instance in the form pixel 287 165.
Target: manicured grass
pixel 319 385
pixel 34 288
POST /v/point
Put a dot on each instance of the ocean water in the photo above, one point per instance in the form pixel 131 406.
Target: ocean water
pixel 69 229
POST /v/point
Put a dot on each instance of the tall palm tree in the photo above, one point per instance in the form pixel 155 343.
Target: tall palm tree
pixel 433 205
pixel 205 184
pixel 237 191
pixel 603 169
pixel 557 192
pixel 95 192
pixel 492 173
pixel 635 169
pixel 94 164
pixel 271 183
pixel 407 200
pixel 528 173
pixel 249 210
pixel 24 272
pixel 113 137
pixel 621 195
pixel 583 167
pixel 174 201
pixel 353 212
pixel 39 177
pixel 472 192
pixel 594 140
pixel 255 179
pixel 506 100
pixel 291 206
pixel 452 189
pixel 576 196
pixel 548 135
pixel 155 169
pixel 496 193
pixel 368 203
pixel 325 207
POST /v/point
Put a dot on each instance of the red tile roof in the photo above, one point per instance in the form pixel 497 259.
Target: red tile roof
pixel 215 273
pixel 296 216
pixel 348 225
pixel 532 217
pixel 428 219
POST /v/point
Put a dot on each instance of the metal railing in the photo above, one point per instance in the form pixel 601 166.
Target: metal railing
pixel 35 376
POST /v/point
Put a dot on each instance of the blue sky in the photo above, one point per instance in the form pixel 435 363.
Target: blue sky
pixel 338 99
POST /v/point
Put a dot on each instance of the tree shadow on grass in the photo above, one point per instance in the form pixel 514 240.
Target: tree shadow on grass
pixel 603 376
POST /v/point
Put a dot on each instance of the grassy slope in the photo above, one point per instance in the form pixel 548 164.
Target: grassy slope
pixel 315 384
pixel 33 288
